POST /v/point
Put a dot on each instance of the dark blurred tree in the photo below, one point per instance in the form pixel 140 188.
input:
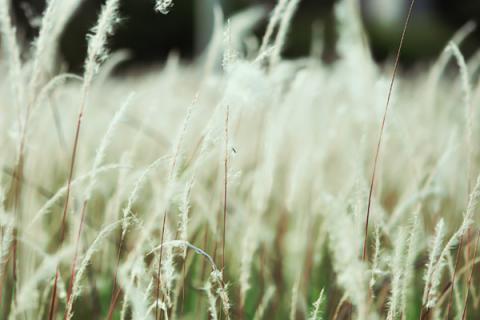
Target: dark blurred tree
pixel 151 36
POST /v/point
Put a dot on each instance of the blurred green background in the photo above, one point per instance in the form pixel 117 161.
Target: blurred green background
pixel 186 29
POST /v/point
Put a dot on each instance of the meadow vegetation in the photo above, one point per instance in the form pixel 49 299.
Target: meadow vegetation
pixel 237 186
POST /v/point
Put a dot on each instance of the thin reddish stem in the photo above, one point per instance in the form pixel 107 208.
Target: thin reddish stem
pixel 382 127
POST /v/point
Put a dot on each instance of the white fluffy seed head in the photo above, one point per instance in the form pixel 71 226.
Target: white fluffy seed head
pixel 163 6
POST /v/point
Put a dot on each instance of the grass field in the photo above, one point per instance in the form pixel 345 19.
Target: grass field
pixel 237 186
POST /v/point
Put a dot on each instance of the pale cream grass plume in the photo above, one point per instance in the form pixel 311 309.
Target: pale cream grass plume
pixel 113 208
pixel 46 39
pixel 439 66
pixel 316 313
pixel 108 68
pixel 171 182
pixel 132 198
pixel 474 62
pixel 249 247
pixel 272 23
pixel 352 44
pixel 177 148
pixel 409 264
pixel 397 275
pixel 283 28
pixel 94 247
pixel 97 42
pixel 294 298
pixel 442 61
pixel 259 313
pixel 215 45
pixel 184 209
pixel 105 142
pixel 316 42
pixel 469 111
pixel 163 6
pixel 5 218
pixel 45 209
pixel 12 50
pixel 212 300
pixel 375 261
pixel 433 259
pixel 168 272
pixel 28 291
pixel 241 25
pixel 221 292
pixel 466 223
pixel 344 245
pixel 152 307
pixel 216 277
pixel 52 84
pixel 133 296
pixel 7 240
pixel 65 11
pixel 403 207
pixel 230 55
pixel 428 189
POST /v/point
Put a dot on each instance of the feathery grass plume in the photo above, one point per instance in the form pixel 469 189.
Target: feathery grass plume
pixel 94 247
pixel 41 56
pixel 382 126
pixel 436 272
pixel 264 303
pixel 106 140
pixel 97 51
pixel 7 239
pixel 163 6
pixel 351 40
pixel 27 299
pixel 229 53
pixel 294 298
pixel 184 211
pixel 344 246
pixel 242 25
pixel 214 47
pixel 132 198
pixel 249 246
pixel 317 305
pixel 53 83
pixel 469 110
pixel 45 209
pixel 62 14
pixel 409 264
pixel 441 63
pixel 216 277
pixel 212 300
pixel 96 54
pixel 285 23
pixel 129 278
pixel 272 23
pixel 397 273
pixel 168 272
pixel 12 50
pixel 172 177
pixel 375 260
pixel 433 259
pixel 225 183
